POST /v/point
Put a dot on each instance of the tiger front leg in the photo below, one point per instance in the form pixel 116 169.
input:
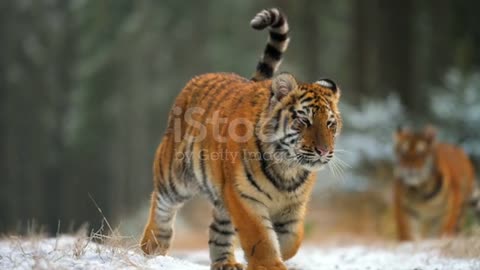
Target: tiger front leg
pixel 451 220
pixel 400 215
pixel 255 230
pixel 289 226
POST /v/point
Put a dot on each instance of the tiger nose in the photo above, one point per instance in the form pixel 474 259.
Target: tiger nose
pixel 322 150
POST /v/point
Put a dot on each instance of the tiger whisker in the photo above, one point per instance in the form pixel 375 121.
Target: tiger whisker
pixel 339 171
pixel 331 169
pixel 342 162
pixel 343 151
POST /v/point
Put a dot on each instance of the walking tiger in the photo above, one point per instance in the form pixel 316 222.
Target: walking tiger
pixel 252 147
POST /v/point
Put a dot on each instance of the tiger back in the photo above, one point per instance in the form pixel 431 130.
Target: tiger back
pixel 433 185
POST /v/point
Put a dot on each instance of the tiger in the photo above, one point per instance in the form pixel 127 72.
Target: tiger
pixel 252 147
pixel 433 185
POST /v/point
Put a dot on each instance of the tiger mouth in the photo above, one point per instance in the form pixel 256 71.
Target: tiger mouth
pixel 313 161
pixel 313 158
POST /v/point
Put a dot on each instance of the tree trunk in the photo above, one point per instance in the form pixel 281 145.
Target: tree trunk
pixel 311 46
pixel 441 49
pixel 397 70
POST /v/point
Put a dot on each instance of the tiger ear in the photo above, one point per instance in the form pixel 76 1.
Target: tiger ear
pixel 331 85
pixel 399 132
pixel 282 85
pixel 430 133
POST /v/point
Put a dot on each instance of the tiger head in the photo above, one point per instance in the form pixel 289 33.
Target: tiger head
pixel 414 154
pixel 303 121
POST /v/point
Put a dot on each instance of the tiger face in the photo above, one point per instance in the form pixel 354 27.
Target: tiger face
pixel 414 154
pixel 303 121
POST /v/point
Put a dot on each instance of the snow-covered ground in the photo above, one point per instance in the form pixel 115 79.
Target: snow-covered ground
pixel 69 252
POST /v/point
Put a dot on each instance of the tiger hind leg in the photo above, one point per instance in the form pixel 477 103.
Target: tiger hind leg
pixel 221 238
pixel 158 232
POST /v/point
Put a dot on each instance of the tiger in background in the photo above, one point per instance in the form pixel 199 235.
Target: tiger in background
pixel 252 147
pixel 433 186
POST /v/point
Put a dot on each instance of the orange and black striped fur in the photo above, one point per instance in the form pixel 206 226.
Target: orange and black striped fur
pixel 433 187
pixel 252 148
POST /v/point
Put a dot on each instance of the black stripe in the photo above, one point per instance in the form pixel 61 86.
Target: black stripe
pixel 245 196
pixel 277 118
pixel 204 177
pixel 273 52
pixel 270 18
pixel 303 95
pixel 263 166
pixel 188 174
pixel 214 228
pixel 284 231
pixel 163 192
pixel 285 223
pixel 221 259
pixel 167 211
pixel 223 256
pixel 160 206
pixel 252 181
pixel 166 220
pixel 160 171
pixel 265 69
pixel 221 222
pixel 306 100
pixel 301 112
pixel 254 247
pixel 278 37
pixel 293 112
pixel 163 235
pixel 290 135
pixel 218 244
pixel 285 124
pixel 282 146
pixel 436 189
pixel 281 184
pixel 280 23
pixel 178 197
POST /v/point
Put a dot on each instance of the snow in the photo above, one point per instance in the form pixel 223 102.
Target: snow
pixel 69 252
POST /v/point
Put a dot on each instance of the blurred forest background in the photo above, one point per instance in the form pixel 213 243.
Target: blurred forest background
pixel 86 86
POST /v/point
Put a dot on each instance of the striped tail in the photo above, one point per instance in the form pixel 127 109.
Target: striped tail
pixel 277 42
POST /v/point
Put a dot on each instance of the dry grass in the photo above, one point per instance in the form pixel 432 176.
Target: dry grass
pixel 461 247
pixel 33 250
pixel 108 243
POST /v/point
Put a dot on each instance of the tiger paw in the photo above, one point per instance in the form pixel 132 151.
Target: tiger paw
pixel 274 266
pixel 227 266
pixel 151 246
